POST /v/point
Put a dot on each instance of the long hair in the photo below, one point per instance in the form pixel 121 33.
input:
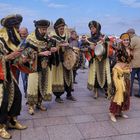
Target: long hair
pixel 122 55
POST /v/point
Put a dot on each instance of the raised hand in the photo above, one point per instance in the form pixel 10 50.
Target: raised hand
pixel 92 46
pixel 13 55
pixel 65 44
pixel 45 53
pixel 53 49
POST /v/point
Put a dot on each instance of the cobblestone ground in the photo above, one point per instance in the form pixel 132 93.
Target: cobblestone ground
pixel 85 119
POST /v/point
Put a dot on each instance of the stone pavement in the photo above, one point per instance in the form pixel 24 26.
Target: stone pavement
pixel 85 119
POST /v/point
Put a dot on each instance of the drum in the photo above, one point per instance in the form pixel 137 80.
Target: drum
pixel 99 50
pixel 76 50
pixel 77 53
pixel 69 58
pixel 77 64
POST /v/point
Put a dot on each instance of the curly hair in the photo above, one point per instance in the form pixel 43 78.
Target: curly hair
pixel 123 56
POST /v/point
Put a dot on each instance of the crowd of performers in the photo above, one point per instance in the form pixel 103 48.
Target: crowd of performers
pixel 49 65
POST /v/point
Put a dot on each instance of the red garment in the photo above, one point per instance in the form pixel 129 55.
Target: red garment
pixel 14 71
pixel 1 72
pixel 116 109
pixel 110 51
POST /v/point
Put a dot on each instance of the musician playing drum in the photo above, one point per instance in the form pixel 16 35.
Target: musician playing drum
pixel 74 43
pixel 99 67
pixel 62 77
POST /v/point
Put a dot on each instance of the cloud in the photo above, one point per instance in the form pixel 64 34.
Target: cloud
pixel 117 24
pixel 55 5
pixel 131 3
pixel 28 15
pixel 110 24
pixel 11 9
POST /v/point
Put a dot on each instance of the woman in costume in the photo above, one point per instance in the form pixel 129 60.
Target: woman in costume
pixel 99 66
pixel 121 79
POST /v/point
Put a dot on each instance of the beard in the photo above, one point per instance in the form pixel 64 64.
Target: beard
pixel 40 36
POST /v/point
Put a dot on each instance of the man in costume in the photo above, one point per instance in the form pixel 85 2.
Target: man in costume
pixel 23 34
pixel 99 66
pixel 74 43
pixel 40 82
pixel 10 95
pixel 62 78
pixel 84 45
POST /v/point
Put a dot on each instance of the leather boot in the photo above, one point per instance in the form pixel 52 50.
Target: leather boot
pixel 3 132
pixel 16 125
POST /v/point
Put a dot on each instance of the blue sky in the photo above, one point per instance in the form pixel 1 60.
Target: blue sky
pixel 115 16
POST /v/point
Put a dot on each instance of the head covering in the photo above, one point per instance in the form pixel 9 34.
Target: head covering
pixel 95 24
pixel 124 36
pixel 95 37
pixel 42 23
pixel 131 30
pixel 11 20
pixel 122 54
pixel 59 22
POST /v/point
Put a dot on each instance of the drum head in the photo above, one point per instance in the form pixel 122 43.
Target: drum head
pixel 69 59
pixel 99 50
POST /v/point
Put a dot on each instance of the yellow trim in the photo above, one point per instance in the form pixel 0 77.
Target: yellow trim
pixel 31 38
pixel 118 78
pixel 32 89
pixel 125 36
pixel 57 78
pixel 1 94
pixel 3 34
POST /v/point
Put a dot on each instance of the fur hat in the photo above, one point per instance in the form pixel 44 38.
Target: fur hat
pixel 11 20
pixel 42 23
pixel 59 22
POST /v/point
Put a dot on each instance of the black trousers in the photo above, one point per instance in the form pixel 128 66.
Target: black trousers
pixel 67 89
pixel 74 74
pixel 15 108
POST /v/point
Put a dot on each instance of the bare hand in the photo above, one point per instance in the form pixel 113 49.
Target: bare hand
pixel 25 59
pixel 64 44
pixel 13 55
pixel 85 49
pixel 20 50
pixel 92 47
pixel 53 49
pixel 45 53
